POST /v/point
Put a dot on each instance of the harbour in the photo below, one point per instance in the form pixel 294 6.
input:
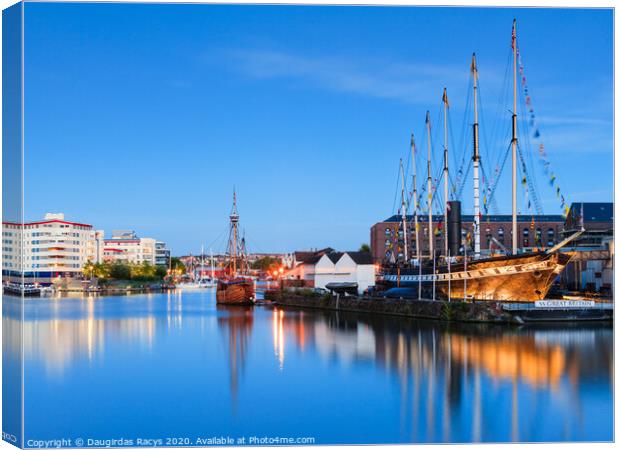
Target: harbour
pixel 506 313
pixel 290 225
pixel 201 369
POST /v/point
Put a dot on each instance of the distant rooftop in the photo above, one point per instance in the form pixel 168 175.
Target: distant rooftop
pixel 124 234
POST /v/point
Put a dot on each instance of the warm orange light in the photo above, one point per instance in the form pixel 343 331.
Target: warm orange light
pixel 281 270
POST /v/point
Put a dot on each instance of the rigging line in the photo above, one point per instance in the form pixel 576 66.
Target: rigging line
pixel 453 151
pixel 525 147
pixel 531 175
pixel 493 201
pixel 221 235
pixel 524 188
pixel 462 186
pixel 499 117
pixel 396 191
pixel 253 245
pixel 529 182
pixel 501 170
pixel 465 129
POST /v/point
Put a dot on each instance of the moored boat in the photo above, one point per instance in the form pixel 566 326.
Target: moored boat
pixel 515 276
pixel 235 291
pixel 236 288
pixel 522 277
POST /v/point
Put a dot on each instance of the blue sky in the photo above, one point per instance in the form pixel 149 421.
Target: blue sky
pixel 145 116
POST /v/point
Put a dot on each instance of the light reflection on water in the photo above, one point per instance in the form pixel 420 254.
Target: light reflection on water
pixel 177 365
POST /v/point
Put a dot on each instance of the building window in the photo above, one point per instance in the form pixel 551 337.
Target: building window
pixel 526 232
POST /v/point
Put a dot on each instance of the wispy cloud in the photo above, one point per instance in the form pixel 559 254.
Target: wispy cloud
pixel 412 83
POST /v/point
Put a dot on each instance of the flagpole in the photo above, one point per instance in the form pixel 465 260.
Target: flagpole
pixel 404 211
pixel 514 140
pixel 445 171
pixel 429 187
pixel 476 160
pixel 415 215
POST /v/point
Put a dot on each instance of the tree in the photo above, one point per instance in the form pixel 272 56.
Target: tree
pixel 364 248
pixel 177 264
pixel 88 269
pixel 160 272
pixel 120 271
pixel 102 270
pixel 266 263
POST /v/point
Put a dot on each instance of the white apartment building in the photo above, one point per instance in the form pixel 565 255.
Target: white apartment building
pixel 54 247
pixel 126 246
pixel 48 249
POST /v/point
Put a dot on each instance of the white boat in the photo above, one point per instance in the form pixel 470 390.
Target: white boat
pixel 200 281
pixel 199 284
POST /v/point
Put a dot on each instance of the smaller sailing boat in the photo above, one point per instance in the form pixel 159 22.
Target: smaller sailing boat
pixel 236 288
pixel 200 281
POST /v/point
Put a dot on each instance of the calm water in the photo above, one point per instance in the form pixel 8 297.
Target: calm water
pixel 178 366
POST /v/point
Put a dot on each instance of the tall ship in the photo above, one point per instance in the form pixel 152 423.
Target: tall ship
pixel 450 273
pixel 236 287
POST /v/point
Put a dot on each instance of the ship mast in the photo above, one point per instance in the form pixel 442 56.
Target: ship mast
pixel 514 140
pixel 415 201
pixel 404 211
pixel 476 160
pixel 234 235
pixel 429 187
pixel 445 171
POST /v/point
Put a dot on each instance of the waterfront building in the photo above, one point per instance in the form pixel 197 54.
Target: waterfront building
pixel 591 268
pixel 44 250
pixel 126 246
pixel 320 268
pixel 534 231
pixel 162 254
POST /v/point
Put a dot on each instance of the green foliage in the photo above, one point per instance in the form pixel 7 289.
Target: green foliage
pixel 88 269
pixel 101 270
pixel 177 264
pixel 120 270
pixel 160 272
pixel 364 248
pixel 267 263
pixel 142 272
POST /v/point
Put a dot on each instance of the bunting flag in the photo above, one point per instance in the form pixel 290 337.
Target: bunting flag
pixel 544 160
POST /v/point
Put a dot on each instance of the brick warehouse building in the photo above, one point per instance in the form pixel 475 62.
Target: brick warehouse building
pixel 533 231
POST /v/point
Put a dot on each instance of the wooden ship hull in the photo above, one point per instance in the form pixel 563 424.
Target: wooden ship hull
pixel 524 278
pixel 238 291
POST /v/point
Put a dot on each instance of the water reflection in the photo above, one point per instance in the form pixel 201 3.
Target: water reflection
pixel 403 380
pixel 235 323
pixel 443 365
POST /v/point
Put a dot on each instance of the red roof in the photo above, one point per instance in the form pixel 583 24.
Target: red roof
pixel 48 221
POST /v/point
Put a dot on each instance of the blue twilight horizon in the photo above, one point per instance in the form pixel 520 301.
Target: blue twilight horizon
pixel 146 116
